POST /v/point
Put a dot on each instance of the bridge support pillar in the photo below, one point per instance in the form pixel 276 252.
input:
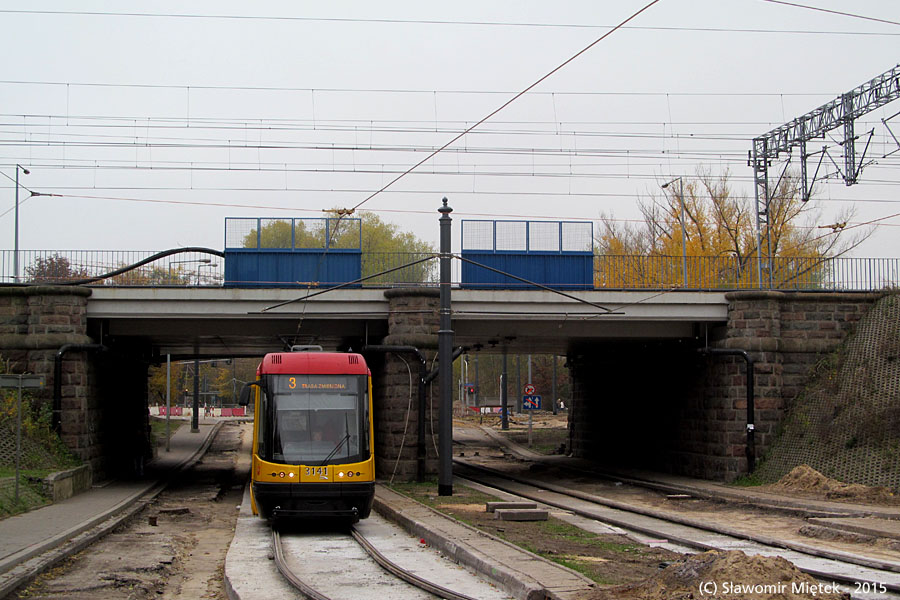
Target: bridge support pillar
pixel 35 322
pixel 413 320
pixel 100 393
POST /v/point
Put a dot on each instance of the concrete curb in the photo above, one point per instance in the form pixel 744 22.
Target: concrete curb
pixel 517 583
pixel 21 568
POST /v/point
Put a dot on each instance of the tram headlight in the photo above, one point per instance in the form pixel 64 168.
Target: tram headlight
pixel 281 474
pixel 340 475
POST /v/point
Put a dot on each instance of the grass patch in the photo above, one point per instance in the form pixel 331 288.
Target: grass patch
pixel 751 480
pixel 158 429
pixel 30 496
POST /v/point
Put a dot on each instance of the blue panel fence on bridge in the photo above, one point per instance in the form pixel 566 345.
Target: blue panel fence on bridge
pixel 556 254
pixel 263 252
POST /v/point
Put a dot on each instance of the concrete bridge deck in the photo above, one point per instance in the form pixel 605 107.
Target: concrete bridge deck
pixel 219 321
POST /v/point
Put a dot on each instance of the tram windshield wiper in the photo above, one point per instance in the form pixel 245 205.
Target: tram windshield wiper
pixel 341 441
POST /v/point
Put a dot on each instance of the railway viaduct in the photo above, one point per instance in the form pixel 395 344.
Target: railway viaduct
pixel 644 394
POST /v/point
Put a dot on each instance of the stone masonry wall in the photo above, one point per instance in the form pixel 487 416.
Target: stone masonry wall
pixel 786 334
pixel 665 406
pixel 35 322
pixel 413 321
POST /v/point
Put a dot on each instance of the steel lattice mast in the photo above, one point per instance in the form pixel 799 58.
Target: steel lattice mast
pixel 840 112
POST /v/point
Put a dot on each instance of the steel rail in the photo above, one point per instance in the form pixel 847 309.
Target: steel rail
pixel 403 574
pixel 761 540
pixel 286 572
pixel 378 557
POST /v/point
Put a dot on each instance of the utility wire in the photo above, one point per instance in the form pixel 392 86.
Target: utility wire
pixel 84 13
pixel 185 87
pixel 833 12
pixel 507 103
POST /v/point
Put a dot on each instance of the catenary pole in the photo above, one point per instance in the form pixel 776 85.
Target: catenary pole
pixel 445 360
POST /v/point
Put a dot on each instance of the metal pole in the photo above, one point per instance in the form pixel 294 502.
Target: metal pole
pixel 18 435
pixel 445 361
pixel 530 412
pixel 16 266
pixel 683 234
pixel 477 383
pixel 518 383
pixel 195 412
pixel 553 388
pixel 504 396
pixel 168 398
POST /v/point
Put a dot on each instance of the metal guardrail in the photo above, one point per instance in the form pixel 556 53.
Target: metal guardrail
pixel 610 272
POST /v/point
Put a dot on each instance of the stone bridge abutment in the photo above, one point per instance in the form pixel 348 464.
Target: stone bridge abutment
pixel 103 400
pixel 666 406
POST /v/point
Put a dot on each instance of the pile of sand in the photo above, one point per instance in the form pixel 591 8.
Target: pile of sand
pixel 806 480
pixel 726 575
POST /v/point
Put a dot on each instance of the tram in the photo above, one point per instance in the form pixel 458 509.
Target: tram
pixel 313 440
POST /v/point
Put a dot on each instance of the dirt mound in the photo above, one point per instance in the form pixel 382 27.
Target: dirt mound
pixel 730 575
pixel 806 480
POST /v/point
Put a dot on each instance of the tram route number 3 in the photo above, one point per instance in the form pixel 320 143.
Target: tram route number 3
pixel 531 402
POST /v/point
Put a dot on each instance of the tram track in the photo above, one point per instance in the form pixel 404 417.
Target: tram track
pixel 851 570
pixel 394 579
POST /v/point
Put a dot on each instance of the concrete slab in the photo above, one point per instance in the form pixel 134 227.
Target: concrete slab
pixel 522 514
pixel 885 528
pixel 493 506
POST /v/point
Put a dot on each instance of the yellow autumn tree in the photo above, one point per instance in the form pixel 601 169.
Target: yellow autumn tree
pixel 720 240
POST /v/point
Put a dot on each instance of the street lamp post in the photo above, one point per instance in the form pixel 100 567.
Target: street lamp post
pixel 683 233
pixel 16 250
pixel 190 260
pixel 208 264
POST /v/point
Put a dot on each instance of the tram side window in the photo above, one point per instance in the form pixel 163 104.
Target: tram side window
pixel 262 423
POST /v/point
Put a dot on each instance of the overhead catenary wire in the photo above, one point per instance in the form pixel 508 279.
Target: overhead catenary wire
pixel 395 21
pixel 833 12
pixel 507 103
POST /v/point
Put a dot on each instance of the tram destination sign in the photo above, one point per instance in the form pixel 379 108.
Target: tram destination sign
pixel 531 402
pixel 21 381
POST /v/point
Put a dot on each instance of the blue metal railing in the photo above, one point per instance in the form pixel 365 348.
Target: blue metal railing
pixel 609 272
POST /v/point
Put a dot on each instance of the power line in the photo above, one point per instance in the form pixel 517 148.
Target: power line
pixel 84 13
pixel 563 171
pixel 833 12
pixel 507 103
pixel 491 215
pixel 418 192
pixel 186 87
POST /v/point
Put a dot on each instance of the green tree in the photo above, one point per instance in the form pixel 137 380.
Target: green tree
pixel 384 246
pixel 225 378
pixel 54 269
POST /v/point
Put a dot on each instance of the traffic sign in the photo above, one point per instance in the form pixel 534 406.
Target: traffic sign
pixel 531 402
pixel 528 389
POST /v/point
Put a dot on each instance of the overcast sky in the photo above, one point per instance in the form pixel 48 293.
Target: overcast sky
pixel 155 128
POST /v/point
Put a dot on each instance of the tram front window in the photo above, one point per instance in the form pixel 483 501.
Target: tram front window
pixel 317 419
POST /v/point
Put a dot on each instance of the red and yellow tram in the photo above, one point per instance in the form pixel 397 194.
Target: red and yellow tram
pixel 313 438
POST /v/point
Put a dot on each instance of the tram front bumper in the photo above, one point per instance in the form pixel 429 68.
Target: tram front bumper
pixel 310 500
